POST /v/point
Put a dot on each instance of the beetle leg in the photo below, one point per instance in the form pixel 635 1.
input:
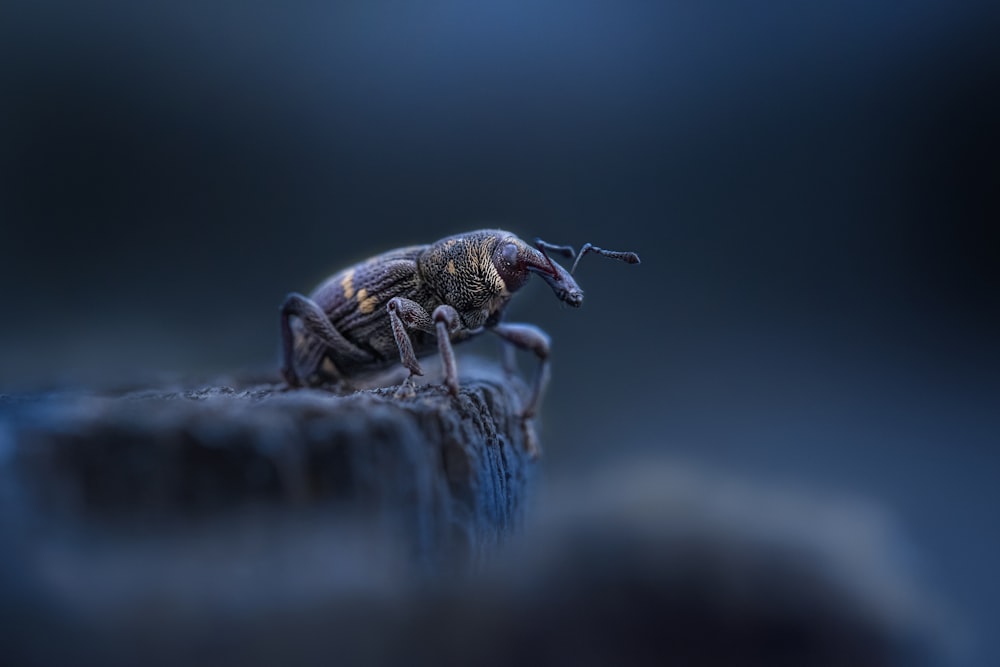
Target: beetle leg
pixel 447 322
pixel 406 314
pixel 508 360
pixel 533 339
pixel 316 324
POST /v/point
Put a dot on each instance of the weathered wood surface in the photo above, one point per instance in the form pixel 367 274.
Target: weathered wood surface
pixel 253 526
pixel 449 475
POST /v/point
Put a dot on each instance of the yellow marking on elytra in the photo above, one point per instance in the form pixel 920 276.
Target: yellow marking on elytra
pixel 366 304
pixel 451 267
pixel 347 284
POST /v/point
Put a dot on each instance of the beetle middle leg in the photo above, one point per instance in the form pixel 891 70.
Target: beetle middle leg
pixel 531 338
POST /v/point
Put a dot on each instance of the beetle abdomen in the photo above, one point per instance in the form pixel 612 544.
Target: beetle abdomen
pixel 355 301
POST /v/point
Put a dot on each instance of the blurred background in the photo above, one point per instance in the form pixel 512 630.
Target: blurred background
pixel 813 191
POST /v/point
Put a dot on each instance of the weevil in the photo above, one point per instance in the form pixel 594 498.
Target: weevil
pixel 407 303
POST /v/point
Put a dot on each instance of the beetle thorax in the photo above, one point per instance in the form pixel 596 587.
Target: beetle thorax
pixel 460 271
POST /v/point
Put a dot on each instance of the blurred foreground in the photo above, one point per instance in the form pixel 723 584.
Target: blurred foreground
pixel 256 528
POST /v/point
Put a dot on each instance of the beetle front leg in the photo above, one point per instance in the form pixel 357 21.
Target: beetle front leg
pixel 507 359
pixel 405 314
pixel 447 322
pixel 533 339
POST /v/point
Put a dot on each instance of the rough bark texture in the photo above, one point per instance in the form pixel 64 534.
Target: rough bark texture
pixel 447 475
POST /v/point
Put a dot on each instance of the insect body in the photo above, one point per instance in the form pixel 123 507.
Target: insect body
pixel 407 303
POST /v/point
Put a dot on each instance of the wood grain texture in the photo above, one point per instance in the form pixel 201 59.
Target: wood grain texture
pixel 448 476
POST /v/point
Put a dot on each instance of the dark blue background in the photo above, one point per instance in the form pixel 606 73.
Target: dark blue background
pixel 813 190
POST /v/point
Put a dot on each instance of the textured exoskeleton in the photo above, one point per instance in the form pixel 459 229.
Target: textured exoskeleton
pixel 408 303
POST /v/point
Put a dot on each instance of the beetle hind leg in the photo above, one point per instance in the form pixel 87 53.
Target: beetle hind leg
pixel 310 342
pixel 308 365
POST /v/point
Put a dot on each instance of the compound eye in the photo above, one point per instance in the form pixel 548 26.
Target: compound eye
pixel 509 254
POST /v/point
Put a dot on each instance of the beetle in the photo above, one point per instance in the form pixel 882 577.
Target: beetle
pixel 406 303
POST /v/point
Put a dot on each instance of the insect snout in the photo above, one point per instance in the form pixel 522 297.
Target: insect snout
pixel 572 297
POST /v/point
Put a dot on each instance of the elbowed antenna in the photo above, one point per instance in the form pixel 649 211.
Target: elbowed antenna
pixel 567 251
pixel 627 256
